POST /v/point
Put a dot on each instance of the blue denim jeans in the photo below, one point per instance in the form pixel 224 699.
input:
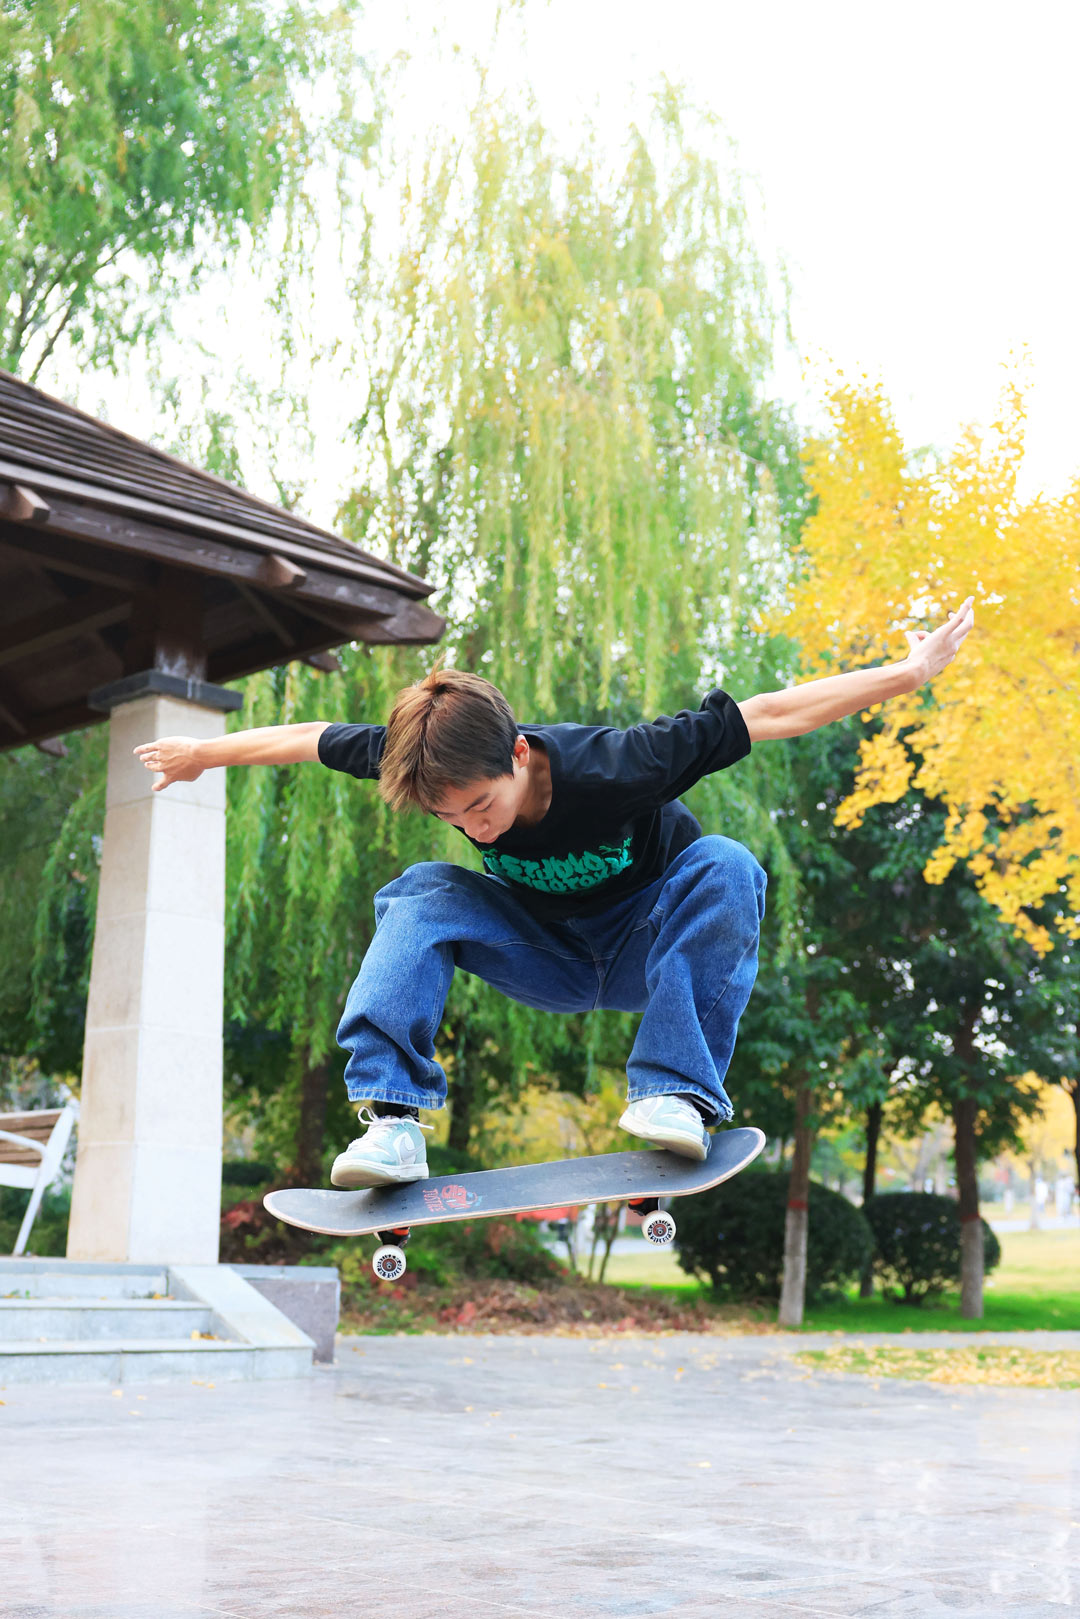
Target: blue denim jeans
pixel 683 952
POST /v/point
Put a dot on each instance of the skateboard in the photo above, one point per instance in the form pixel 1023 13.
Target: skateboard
pixel 637 1178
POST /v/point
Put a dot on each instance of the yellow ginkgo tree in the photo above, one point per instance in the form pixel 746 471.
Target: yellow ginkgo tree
pixel 896 541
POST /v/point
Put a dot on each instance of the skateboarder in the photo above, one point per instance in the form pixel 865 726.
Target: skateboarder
pixel 598 888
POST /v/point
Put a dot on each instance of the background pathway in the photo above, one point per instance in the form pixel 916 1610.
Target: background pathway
pixel 430 1478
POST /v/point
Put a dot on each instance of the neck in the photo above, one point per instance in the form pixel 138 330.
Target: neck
pixel 537 799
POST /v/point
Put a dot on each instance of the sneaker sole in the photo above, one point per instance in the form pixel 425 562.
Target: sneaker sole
pixel 357 1177
pixel 674 1141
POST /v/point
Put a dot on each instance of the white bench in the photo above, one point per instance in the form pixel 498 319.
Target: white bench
pixel 32 1146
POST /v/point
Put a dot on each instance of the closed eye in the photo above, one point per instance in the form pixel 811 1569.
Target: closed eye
pixel 444 815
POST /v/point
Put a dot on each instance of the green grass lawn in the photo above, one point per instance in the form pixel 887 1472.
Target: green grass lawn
pixel 1037 1285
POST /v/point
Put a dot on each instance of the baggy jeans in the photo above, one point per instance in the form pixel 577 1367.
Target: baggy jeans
pixel 682 951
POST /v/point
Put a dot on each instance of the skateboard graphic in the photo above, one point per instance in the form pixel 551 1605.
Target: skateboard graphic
pixel 637 1178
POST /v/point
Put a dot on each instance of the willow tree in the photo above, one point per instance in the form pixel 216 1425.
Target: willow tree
pixel 564 423
pixel 140 142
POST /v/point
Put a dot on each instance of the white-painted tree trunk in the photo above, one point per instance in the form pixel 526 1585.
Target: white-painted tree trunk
pixel 797 1220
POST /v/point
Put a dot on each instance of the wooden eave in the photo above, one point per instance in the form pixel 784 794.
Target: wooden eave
pixel 50 438
pixel 114 549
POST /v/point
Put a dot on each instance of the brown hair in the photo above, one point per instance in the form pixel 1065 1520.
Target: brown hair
pixel 448 730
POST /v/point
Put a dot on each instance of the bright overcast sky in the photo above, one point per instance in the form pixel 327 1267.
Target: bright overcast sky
pixel 918 164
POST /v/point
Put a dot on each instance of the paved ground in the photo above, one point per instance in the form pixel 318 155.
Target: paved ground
pixel 432 1478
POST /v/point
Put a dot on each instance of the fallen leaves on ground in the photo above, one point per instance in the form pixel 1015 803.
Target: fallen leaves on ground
pixel 1005 1365
pixel 580 1309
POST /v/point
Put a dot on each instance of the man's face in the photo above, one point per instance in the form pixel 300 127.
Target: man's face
pixel 485 809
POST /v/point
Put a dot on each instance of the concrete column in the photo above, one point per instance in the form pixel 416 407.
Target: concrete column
pixel 148 1171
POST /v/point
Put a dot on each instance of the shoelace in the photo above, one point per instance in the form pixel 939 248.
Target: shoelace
pixel 378 1123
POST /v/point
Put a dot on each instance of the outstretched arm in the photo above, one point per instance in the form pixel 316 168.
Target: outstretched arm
pixel 777 714
pixel 184 758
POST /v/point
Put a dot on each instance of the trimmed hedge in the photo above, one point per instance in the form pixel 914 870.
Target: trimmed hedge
pixel 733 1236
pixel 917 1244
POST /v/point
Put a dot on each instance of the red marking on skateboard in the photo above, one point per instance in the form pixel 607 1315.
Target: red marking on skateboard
pixel 450 1199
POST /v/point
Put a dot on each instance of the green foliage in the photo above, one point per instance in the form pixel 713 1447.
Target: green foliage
pixel 445 1161
pixel 442 1255
pixel 917 1243
pixel 243 1172
pixel 139 135
pixel 734 1237
pixel 48 1234
pixel 566 425
pixel 889 973
pixel 52 811
pixel 24 1086
pixel 567 430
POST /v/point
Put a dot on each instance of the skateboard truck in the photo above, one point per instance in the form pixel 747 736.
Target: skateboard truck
pixel 388 1260
pixel 656 1224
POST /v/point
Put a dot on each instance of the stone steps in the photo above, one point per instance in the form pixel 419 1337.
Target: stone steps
pixel 77 1322
pixel 65 1279
pixel 46 1320
pixel 140 1360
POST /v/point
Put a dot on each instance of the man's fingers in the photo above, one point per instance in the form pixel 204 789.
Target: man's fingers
pixel 966 622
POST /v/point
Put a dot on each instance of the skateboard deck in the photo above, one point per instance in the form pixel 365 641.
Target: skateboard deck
pixel 484 1194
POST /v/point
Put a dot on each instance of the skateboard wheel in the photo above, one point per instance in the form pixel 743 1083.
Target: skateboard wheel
pixel 659 1229
pixel 388 1262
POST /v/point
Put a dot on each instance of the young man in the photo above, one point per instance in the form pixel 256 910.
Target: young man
pixel 599 889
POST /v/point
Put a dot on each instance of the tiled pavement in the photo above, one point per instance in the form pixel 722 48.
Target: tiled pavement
pixel 432 1478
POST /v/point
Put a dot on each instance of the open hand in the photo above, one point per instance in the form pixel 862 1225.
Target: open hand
pixel 931 650
pixel 176 757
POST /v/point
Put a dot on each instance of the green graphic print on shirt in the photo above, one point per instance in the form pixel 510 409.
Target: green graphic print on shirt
pixel 562 876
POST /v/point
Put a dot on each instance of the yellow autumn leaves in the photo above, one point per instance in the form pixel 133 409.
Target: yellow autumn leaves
pixel 1004 1365
pixel 896 542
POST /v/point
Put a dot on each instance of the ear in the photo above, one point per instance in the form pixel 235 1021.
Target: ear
pixel 521 752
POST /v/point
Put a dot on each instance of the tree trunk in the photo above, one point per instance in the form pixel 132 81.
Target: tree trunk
pixel 311 1126
pixel 873 1133
pixel 797 1219
pixel 462 1099
pixel 1073 1088
pixel 967 1185
pixel 609 1240
pixel 609 1225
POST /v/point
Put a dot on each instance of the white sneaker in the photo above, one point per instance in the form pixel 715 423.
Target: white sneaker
pixel 668 1121
pixel 390 1151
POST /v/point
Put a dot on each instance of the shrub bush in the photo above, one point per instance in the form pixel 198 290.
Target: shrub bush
pixel 246 1172
pixel 442 1255
pixel 733 1236
pixel 917 1244
pixel 511 1250
pixel 445 1161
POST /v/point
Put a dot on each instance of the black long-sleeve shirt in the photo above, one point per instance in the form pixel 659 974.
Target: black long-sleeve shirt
pixel 614 823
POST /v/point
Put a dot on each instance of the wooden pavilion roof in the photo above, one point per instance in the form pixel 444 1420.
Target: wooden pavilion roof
pixel 116 558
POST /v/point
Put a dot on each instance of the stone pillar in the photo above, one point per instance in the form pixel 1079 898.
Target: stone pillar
pixel 148 1170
